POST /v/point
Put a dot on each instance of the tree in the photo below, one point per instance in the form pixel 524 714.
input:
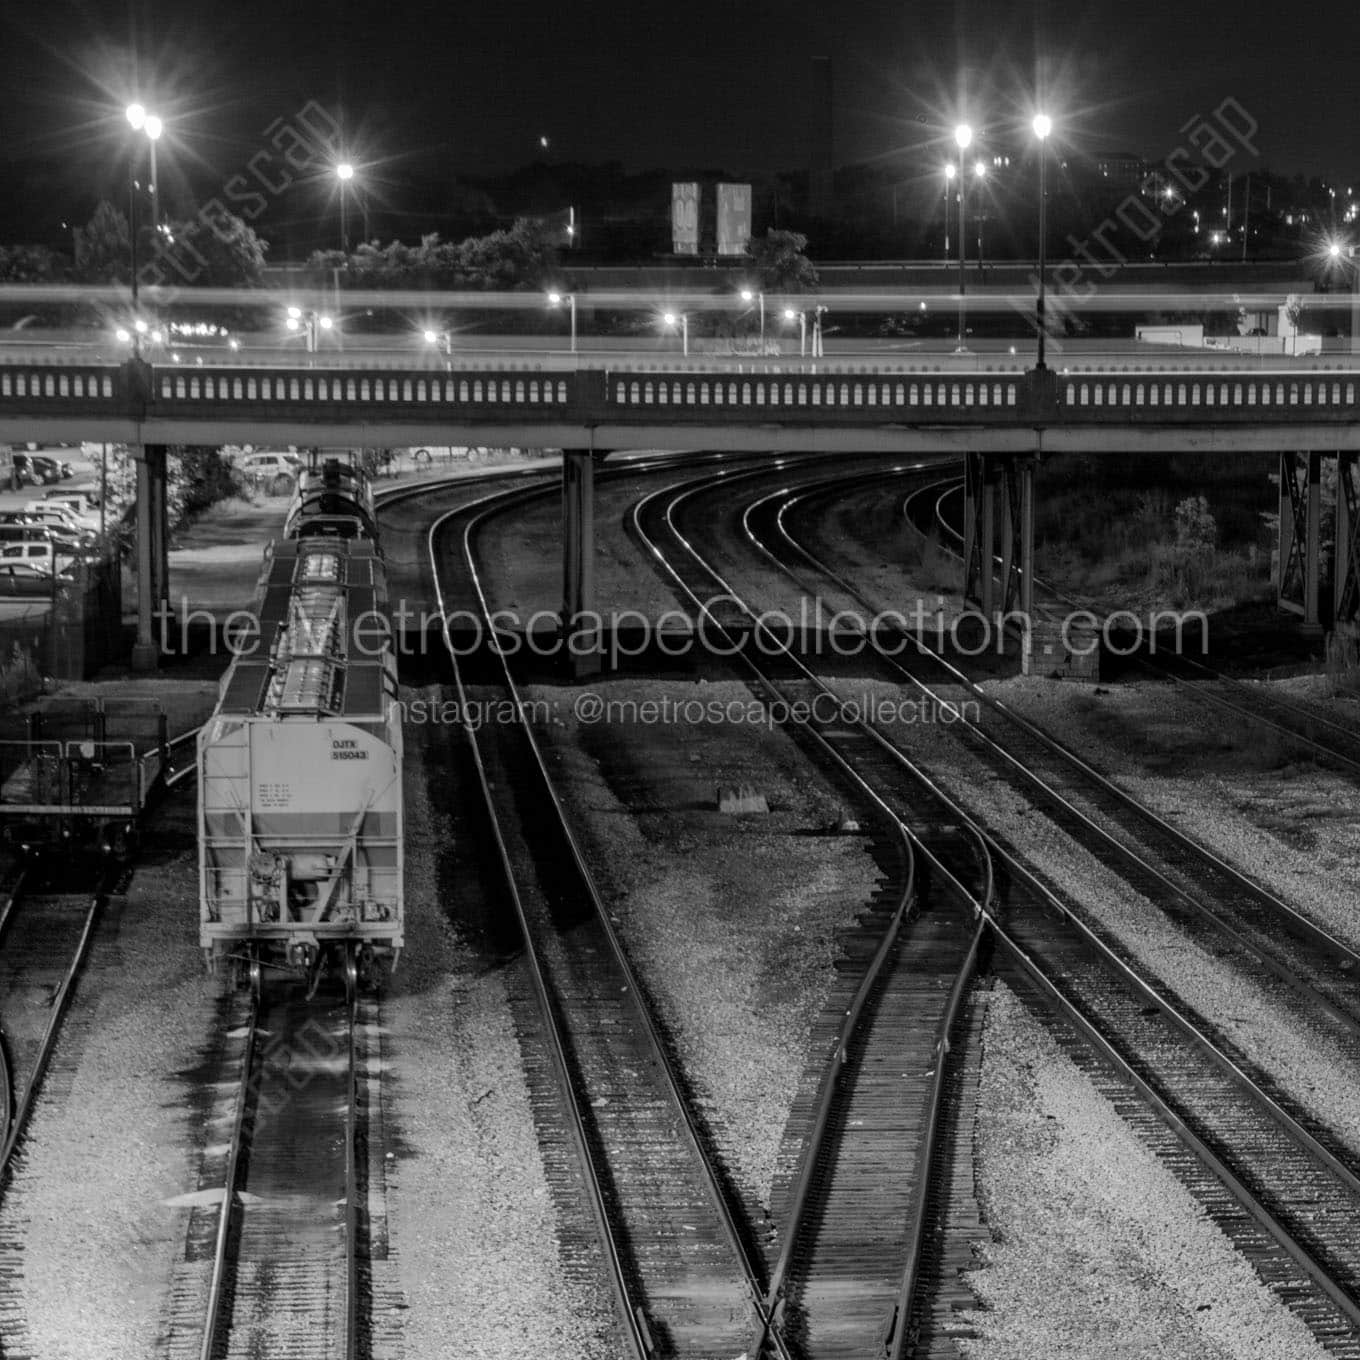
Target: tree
pixel 29 264
pixel 103 253
pixel 780 261
pixel 221 253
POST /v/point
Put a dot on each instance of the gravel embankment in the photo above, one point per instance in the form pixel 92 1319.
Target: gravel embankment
pixel 472 1223
pixel 1097 1249
pixel 113 1139
pixel 1252 1012
pixel 732 921
pixel 1281 819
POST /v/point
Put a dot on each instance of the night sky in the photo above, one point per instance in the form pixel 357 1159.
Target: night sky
pixel 469 86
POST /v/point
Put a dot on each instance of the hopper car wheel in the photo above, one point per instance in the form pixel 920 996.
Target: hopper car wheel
pixel 351 975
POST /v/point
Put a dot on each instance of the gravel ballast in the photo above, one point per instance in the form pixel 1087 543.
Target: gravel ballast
pixel 1097 1249
pixel 732 920
pixel 112 1140
pixel 472 1223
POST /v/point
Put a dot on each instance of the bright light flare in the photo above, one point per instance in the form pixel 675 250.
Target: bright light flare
pixel 154 127
pixel 136 115
pixel 345 171
pixel 950 170
pixel 963 135
pixel 1043 125
pixel 324 322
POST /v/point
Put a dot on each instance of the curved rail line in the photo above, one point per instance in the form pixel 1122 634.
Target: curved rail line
pixel 1185 879
pixel 826 1241
pixel 21 1104
pixel 1280 1178
pixel 1211 687
pixel 641 1280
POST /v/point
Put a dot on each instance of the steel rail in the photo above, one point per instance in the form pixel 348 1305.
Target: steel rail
pixel 214 1320
pixel 1291 918
pixel 1021 875
pixel 916 849
pixel 23 1106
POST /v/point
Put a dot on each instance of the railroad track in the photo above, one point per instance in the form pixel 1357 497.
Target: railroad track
pixel 854 1236
pixel 1286 1199
pixel 45 939
pixel 1326 740
pixel 283 1221
pixel 1191 885
pixel 683 1274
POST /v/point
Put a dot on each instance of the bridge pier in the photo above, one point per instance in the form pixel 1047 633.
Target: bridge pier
pixel 580 619
pixel 998 493
pixel 1298 581
pixel 152 554
pixel 1346 578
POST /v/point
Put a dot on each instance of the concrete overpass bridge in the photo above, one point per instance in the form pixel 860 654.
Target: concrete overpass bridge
pixel 998 416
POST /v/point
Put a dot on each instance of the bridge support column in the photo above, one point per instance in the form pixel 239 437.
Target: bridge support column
pixel 580 619
pixel 1017 536
pixel 152 588
pixel 1299 576
pixel 979 531
pixel 1346 578
pixel 998 520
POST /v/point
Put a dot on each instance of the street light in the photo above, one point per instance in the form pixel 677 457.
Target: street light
pixel 556 299
pixel 748 295
pixel 963 136
pixel 141 121
pixel 980 173
pixel 1043 125
pixel 817 350
pixel 311 324
pixel 443 340
pixel 681 319
pixel 344 172
pixel 950 170
pixel 801 318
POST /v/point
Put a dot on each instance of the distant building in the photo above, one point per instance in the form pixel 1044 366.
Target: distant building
pixel 1120 169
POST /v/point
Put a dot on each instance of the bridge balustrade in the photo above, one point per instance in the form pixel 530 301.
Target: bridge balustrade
pixel 646 391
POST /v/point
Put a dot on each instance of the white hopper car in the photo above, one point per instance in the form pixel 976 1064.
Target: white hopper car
pixel 299 775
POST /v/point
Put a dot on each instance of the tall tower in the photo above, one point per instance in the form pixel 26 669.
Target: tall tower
pixel 821 163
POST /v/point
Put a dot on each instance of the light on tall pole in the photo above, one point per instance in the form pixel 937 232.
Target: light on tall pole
pixel 963 136
pixel 801 318
pixel 556 299
pixel 680 319
pixel 141 121
pixel 950 171
pixel 748 295
pixel 980 173
pixel 1043 125
pixel 344 172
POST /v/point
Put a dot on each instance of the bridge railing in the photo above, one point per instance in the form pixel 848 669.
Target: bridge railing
pixel 647 394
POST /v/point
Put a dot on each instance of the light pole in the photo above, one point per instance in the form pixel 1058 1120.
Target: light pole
pixel 682 320
pixel 141 121
pixel 556 299
pixel 344 172
pixel 1043 125
pixel 963 136
pixel 980 171
pixel 949 173
pixel 311 324
pixel 801 318
pixel 748 295
pixel 444 341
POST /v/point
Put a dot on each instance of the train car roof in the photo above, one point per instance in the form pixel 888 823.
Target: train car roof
pixel 305 687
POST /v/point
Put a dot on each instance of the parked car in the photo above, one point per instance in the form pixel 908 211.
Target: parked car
pixel 63 517
pixel 41 556
pixel 24 579
pixel 277 472
pixel 30 470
